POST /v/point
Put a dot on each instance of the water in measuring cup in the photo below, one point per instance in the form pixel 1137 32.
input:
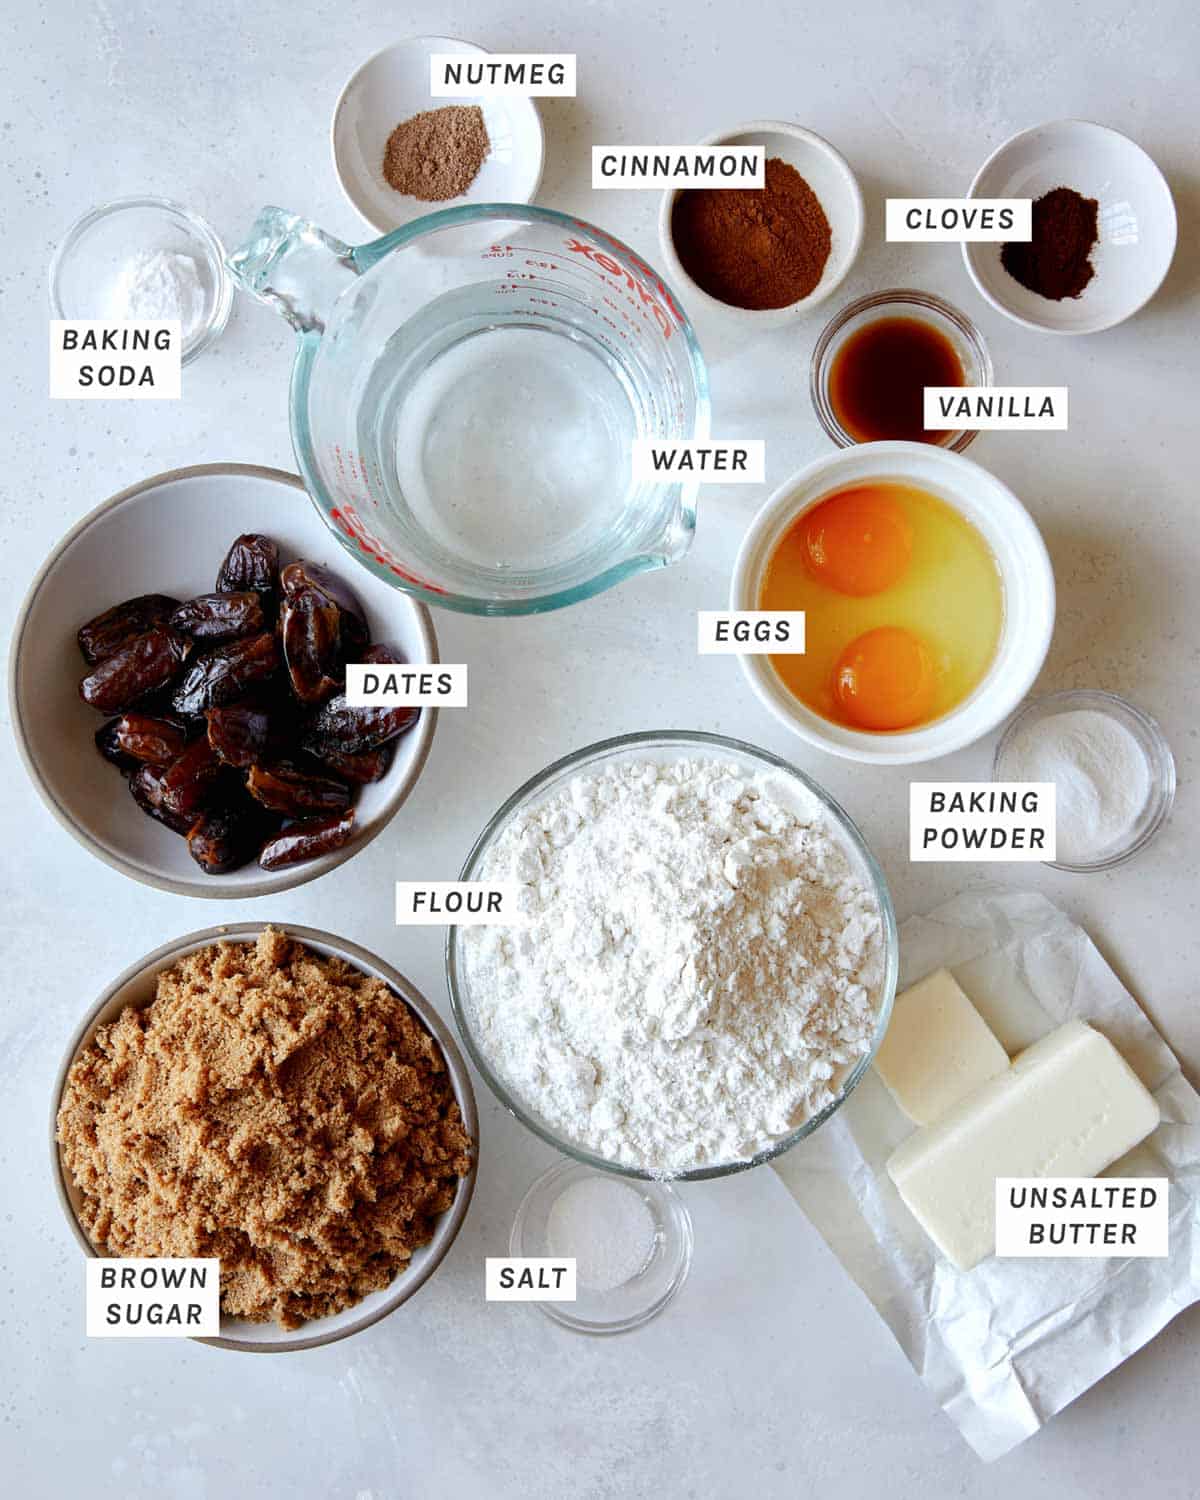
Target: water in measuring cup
pixel 505 441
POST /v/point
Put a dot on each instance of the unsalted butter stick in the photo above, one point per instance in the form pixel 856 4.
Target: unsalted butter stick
pixel 1068 1107
pixel 938 1049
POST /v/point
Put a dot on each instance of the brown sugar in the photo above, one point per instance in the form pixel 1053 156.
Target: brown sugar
pixel 280 1110
pixel 755 248
pixel 437 154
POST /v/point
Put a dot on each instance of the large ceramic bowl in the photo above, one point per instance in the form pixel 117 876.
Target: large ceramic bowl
pixel 168 535
pixel 669 745
pixel 1021 558
pixel 136 986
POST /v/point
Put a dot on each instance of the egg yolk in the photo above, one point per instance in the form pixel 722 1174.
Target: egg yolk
pixel 885 679
pixel 858 542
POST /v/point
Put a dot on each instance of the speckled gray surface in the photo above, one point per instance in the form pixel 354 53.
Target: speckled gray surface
pixel 770 1375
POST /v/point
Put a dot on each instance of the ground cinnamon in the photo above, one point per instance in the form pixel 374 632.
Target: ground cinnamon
pixel 437 154
pixel 755 248
pixel 1056 262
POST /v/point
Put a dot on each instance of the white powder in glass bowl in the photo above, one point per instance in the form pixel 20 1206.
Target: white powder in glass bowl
pixel 700 970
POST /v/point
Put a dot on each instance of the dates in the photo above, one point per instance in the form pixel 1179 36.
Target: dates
pixel 338 729
pixel 307 839
pixel 142 666
pixel 151 741
pixel 105 635
pixel 146 786
pixel 240 733
pixel 227 837
pixel 193 781
pixel 225 674
pixel 252 563
pixel 296 791
pixel 371 765
pixel 215 618
pixel 227 713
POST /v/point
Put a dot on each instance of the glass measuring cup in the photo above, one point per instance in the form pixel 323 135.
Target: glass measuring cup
pixel 466 394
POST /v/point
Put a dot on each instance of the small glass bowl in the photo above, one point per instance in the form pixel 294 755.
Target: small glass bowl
pixel 956 326
pixel 645 1294
pixel 99 245
pixel 665 745
pixel 1159 760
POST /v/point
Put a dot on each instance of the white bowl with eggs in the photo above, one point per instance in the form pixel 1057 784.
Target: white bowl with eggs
pixel 1027 583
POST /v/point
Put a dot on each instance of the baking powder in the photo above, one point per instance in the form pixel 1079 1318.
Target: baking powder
pixel 700 968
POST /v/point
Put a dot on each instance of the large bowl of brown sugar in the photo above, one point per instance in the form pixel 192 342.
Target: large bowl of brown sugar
pixel 282 1101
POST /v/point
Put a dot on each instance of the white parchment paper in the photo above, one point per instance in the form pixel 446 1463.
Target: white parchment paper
pixel 1006 1345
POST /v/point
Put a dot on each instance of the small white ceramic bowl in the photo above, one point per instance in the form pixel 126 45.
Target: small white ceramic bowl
pixel 137 985
pixel 393 86
pixel 1136 223
pixel 1020 555
pixel 168 535
pixel 827 172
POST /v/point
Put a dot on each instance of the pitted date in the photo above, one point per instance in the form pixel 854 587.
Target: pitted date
pixel 109 747
pixel 338 729
pixel 251 563
pixel 296 791
pixel 310 635
pixel 225 674
pixel 370 765
pixel 139 668
pixel 105 635
pixel 193 781
pixel 215 618
pixel 226 837
pixel 146 787
pixel 307 839
pixel 309 580
pixel 240 734
pixel 151 741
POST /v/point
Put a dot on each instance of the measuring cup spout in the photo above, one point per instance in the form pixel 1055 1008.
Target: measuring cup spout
pixel 294 267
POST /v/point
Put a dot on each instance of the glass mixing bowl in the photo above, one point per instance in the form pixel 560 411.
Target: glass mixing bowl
pixel 666 745
pixel 466 395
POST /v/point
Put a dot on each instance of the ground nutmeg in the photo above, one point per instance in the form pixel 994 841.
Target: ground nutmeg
pixel 1056 262
pixel 755 248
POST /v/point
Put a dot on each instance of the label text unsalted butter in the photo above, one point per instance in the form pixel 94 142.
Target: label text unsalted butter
pixel 1082 1216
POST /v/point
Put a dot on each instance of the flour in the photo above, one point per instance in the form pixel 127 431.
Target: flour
pixel 700 968
pixel 1101 776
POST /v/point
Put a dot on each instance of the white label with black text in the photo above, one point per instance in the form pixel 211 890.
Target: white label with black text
pixel 94 360
pixel 996 408
pixel 678 166
pixel 959 219
pixel 529 1278
pixel 750 632
pixel 438 685
pixel 980 820
pixel 1082 1216
pixel 731 462
pixel 458 903
pixel 150 1298
pixel 499 75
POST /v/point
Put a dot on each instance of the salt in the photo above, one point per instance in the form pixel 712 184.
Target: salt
pixel 157 284
pixel 607 1226
pixel 1100 772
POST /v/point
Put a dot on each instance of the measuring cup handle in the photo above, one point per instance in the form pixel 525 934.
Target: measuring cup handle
pixel 294 267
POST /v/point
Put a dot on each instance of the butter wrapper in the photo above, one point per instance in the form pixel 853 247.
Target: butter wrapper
pixel 1006 1345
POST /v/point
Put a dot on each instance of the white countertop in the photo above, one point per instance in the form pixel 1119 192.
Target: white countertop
pixel 770 1375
